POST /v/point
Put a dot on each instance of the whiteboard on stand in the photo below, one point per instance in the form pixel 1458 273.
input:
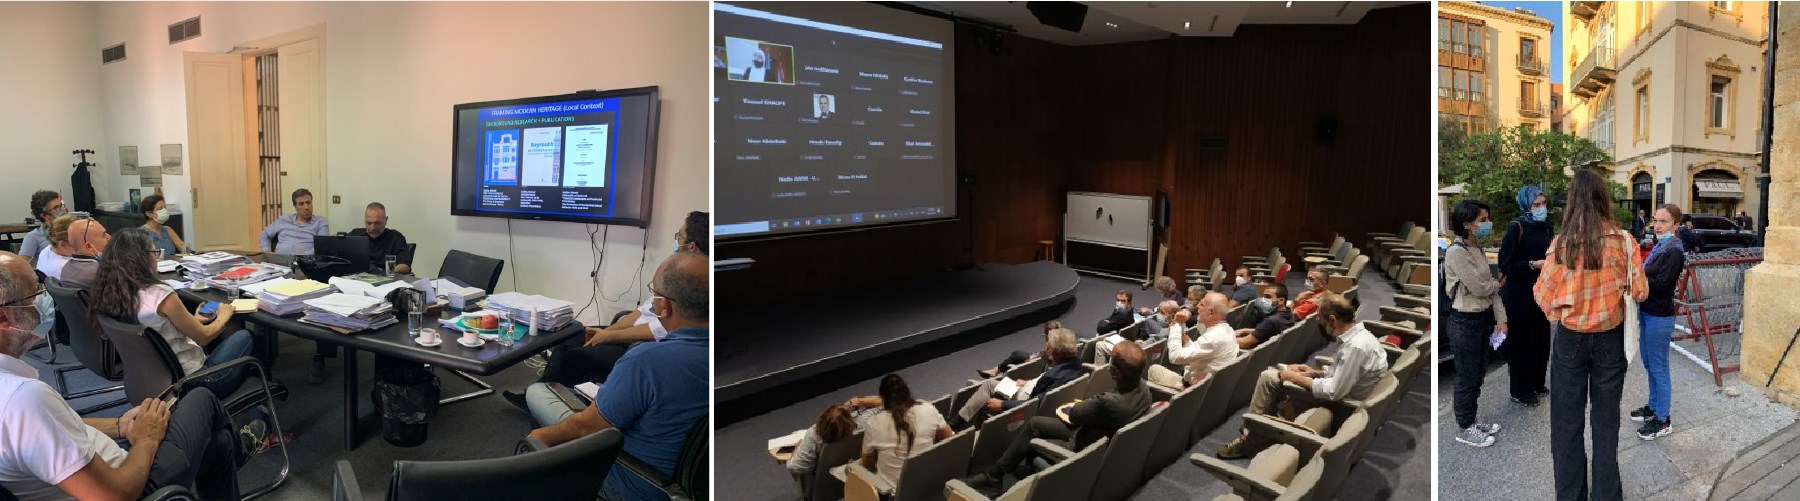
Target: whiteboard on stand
pixel 1110 219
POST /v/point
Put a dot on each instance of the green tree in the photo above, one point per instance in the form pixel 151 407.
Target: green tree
pixel 1492 166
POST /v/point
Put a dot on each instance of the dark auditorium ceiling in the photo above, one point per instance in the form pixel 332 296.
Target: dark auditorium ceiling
pixel 1118 22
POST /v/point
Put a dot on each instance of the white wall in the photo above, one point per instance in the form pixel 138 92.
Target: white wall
pixel 393 73
pixel 50 92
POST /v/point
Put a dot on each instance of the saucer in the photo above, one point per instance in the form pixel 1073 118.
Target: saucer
pixel 477 344
pixel 434 342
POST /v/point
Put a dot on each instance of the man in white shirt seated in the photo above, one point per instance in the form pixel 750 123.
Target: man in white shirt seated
pixel 1359 364
pixel 1215 348
pixel 56 255
pixel 47 451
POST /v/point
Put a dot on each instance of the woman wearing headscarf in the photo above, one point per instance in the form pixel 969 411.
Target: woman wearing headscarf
pixel 1587 277
pixel 1527 347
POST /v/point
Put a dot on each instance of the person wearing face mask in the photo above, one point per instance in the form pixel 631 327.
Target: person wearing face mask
pixel 45 206
pixel 1162 321
pixel 1476 312
pixel 1121 316
pixel 1244 291
pixel 656 392
pixel 1215 348
pixel 51 260
pixel 1308 301
pixel 1278 318
pixel 1656 315
pixel 89 238
pixel 591 357
pixel 1360 362
pixel 1166 287
pixel 50 452
pixel 758 70
pixel 156 217
pixel 1527 348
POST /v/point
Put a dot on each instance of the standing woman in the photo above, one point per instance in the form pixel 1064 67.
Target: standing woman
pixel 1527 345
pixel 1475 311
pixel 1581 290
pixel 1657 316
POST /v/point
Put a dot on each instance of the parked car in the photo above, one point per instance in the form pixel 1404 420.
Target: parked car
pixel 1719 233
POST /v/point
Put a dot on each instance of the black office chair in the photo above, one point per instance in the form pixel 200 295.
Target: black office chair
pixel 57 334
pixel 476 271
pixel 574 470
pixel 152 370
pixel 689 479
pixel 93 350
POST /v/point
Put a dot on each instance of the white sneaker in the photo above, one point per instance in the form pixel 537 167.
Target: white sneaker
pixel 1473 437
pixel 1489 428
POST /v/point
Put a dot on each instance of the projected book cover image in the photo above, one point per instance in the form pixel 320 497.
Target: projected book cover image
pixel 542 162
pixel 584 163
pixel 580 157
pixel 502 158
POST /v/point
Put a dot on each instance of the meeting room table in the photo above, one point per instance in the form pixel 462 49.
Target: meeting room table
pixel 394 342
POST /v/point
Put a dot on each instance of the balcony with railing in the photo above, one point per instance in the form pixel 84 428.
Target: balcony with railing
pixel 1531 64
pixel 1584 10
pixel 1461 55
pixel 1530 107
pixel 1595 72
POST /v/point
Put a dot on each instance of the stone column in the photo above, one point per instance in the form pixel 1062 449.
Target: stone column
pixel 1771 315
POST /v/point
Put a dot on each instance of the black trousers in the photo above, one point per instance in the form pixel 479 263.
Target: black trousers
pixel 1469 344
pixel 1587 369
pixel 574 364
pixel 1527 349
pixel 1045 427
pixel 199 450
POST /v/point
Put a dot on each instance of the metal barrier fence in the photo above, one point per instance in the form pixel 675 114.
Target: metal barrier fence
pixel 1710 299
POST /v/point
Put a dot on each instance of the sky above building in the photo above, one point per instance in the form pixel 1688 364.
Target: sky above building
pixel 1553 12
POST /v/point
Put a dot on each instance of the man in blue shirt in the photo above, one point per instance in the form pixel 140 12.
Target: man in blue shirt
pixel 292 234
pixel 45 206
pixel 658 390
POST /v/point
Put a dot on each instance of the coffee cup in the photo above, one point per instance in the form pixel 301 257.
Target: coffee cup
pixel 428 336
pixel 470 337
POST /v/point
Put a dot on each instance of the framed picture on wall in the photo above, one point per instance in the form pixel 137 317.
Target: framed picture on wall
pixel 128 160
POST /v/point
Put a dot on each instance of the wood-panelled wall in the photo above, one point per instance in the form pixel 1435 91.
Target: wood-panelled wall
pixel 1039 120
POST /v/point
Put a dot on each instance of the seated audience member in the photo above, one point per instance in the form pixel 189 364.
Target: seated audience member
pixel 1169 291
pixel 1359 364
pixel 49 452
pixel 656 393
pixel 1065 366
pixel 53 257
pixel 1243 290
pixel 600 348
pixel 45 206
pixel 1214 349
pixel 1162 322
pixel 834 425
pixel 1121 315
pixel 292 234
pixel 1308 301
pixel 1194 293
pixel 1279 318
pixel 126 288
pixel 1088 421
pixel 89 238
pixel 1019 356
pixel 383 242
pixel 156 217
pixel 903 427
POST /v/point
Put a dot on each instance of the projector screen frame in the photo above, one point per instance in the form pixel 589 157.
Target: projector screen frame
pixel 653 121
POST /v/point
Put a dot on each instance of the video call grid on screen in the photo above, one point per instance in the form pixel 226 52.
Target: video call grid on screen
pixel 839 125
pixel 555 157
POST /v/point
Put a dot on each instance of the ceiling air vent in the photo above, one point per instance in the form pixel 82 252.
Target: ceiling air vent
pixel 112 54
pixel 184 31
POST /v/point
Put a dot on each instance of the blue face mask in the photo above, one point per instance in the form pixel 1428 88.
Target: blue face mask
pixel 1664 237
pixel 1484 228
pixel 1540 214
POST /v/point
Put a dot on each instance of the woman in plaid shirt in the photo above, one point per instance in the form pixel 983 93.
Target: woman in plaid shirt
pixel 1581 290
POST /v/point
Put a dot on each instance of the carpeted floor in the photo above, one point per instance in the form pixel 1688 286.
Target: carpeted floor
pixel 483 427
pixel 1398 465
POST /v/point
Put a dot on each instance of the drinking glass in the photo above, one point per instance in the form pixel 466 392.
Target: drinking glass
pixel 506 330
pixel 231 290
pixel 388 269
pixel 415 320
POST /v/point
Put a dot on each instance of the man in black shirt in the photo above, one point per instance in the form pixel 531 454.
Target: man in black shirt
pixel 383 241
pixel 1279 319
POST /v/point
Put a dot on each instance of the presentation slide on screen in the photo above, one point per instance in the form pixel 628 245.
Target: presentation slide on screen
pixel 823 125
pixel 549 157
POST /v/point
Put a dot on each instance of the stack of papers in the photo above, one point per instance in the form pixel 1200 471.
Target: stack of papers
pixel 248 274
pixel 167 266
pixel 552 314
pixel 289 296
pixel 211 263
pixel 364 284
pixel 345 311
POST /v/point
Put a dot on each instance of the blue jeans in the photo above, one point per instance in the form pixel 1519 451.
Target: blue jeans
pixel 546 409
pixel 1653 346
pixel 226 349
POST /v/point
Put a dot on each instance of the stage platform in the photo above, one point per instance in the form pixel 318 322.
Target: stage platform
pixel 779 354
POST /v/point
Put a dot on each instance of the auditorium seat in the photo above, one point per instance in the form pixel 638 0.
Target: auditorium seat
pixel 1278 277
pixel 1274 474
pixel 1171 437
pixel 1405 230
pixel 922 478
pixel 1320 248
pixel 996 433
pixel 1100 380
pixel 1206 277
pixel 1122 471
pixel 1060 395
pixel 1421 320
pixel 1268 268
pixel 822 486
pixel 1061 481
pixel 1274 252
pixel 1380 244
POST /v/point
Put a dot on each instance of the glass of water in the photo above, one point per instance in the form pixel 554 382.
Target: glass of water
pixel 415 320
pixel 231 290
pixel 506 330
pixel 388 268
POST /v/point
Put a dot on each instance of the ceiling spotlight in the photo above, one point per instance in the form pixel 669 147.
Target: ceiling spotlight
pixel 1187 25
pixel 1111 25
pixel 1290 5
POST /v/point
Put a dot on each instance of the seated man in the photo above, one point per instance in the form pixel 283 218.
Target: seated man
pixel 1169 291
pixel 45 206
pixel 1065 366
pixel 1018 357
pixel 1088 420
pixel 657 391
pixel 1215 348
pixel 601 348
pixel 51 260
pixel 49 452
pixel 292 234
pixel 1163 321
pixel 1279 318
pixel 383 242
pixel 1243 290
pixel 89 238
pixel 1360 363
pixel 1308 301
pixel 1121 315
